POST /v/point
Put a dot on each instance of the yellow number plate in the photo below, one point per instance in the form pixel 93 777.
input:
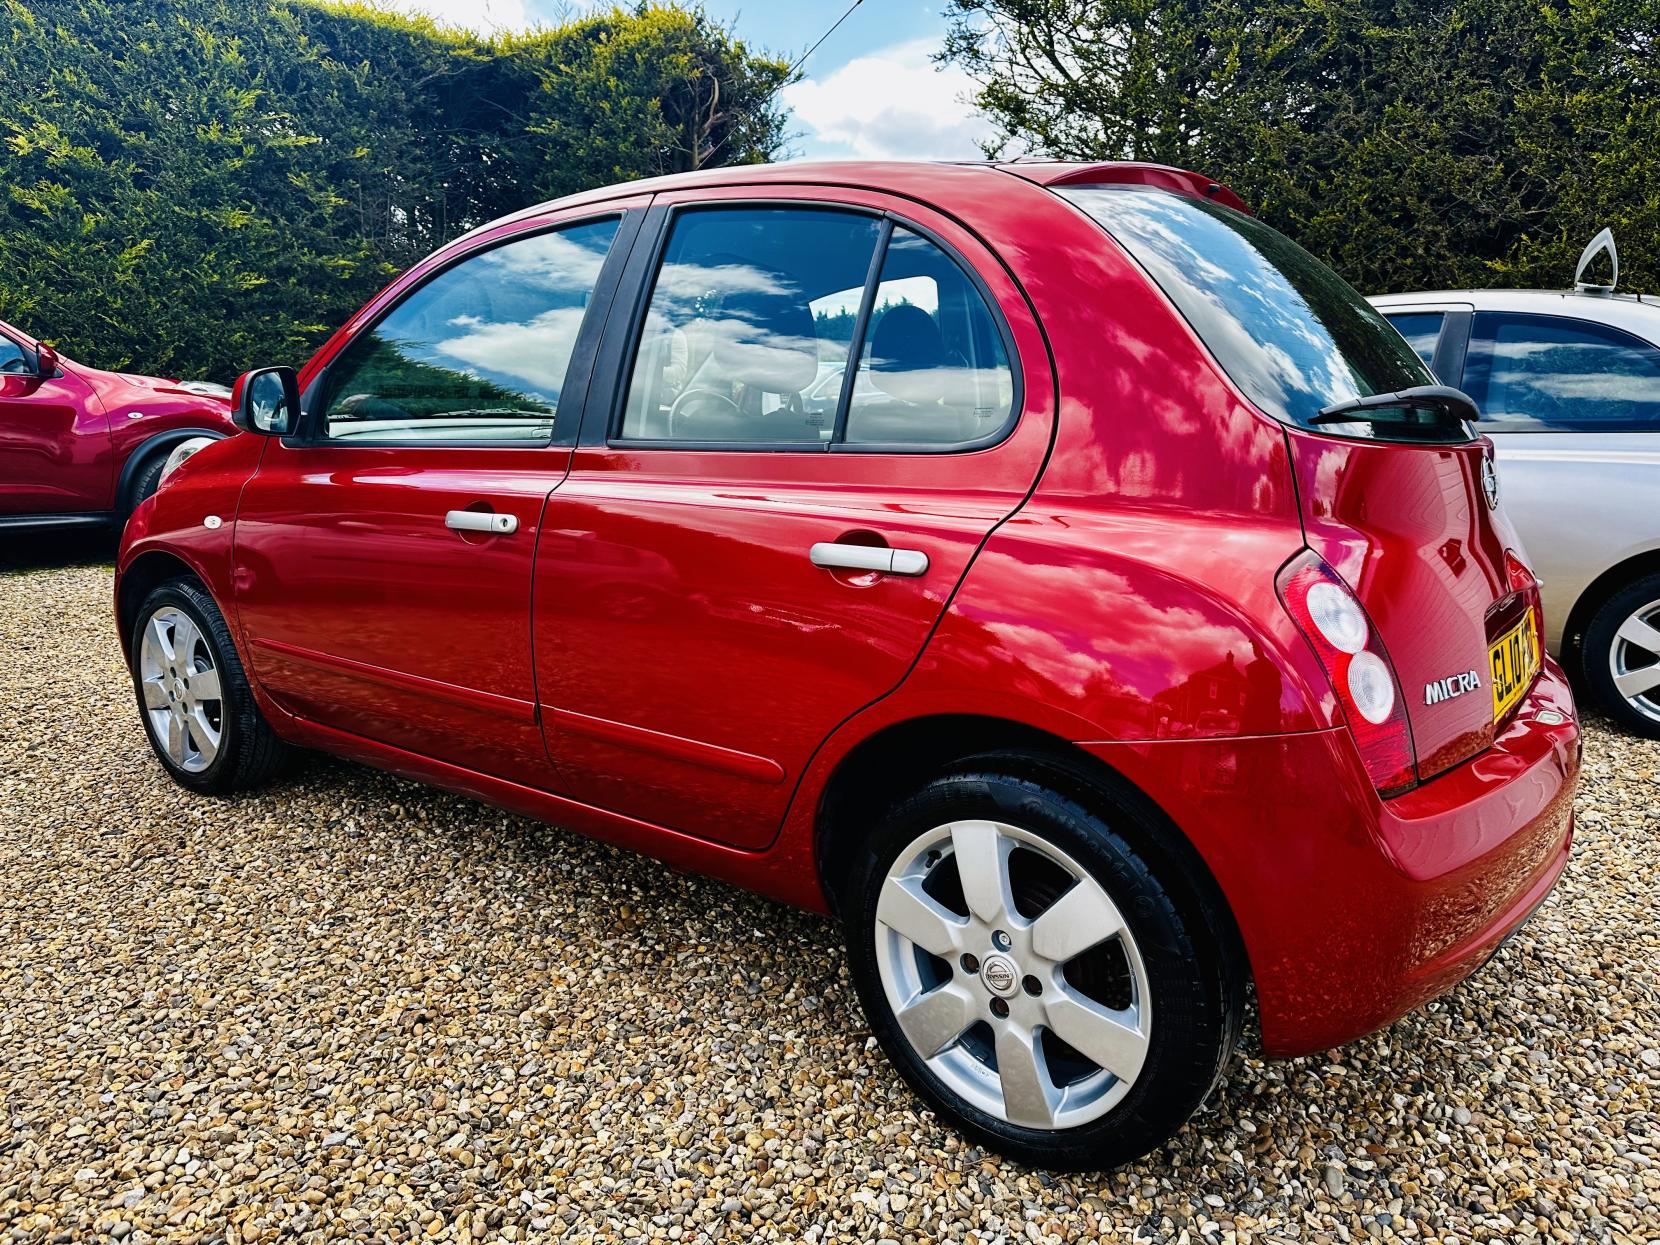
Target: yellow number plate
pixel 1514 660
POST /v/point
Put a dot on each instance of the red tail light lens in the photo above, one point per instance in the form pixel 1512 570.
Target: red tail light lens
pixel 1327 612
pixel 1523 580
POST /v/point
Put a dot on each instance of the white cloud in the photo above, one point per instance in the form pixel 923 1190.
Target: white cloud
pixel 892 104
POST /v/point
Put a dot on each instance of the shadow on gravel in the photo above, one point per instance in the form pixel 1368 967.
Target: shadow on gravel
pixel 39 550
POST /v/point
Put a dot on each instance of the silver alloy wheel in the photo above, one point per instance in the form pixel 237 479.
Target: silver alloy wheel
pixel 183 705
pixel 975 991
pixel 1634 660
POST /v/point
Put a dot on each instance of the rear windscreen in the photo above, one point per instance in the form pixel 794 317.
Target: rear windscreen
pixel 1291 333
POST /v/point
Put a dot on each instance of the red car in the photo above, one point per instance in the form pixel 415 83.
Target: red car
pixel 1135 630
pixel 81 447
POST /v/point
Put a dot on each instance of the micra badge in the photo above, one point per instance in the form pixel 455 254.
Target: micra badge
pixel 1452 685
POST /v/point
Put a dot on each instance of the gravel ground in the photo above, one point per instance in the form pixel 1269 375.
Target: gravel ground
pixel 354 1007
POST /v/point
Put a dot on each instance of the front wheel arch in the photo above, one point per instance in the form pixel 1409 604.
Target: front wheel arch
pixel 144 456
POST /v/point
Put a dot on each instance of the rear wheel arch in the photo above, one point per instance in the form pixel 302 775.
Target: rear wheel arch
pixel 1598 592
pixel 898 759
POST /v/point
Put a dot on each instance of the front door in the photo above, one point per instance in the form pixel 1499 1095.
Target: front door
pixel 54 441
pixel 384 556
pixel 820 412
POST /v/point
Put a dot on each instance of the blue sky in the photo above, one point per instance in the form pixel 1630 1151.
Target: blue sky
pixel 869 91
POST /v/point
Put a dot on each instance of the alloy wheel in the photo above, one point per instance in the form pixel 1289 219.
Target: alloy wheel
pixel 1634 660
pixel 183 703
pixel 1012 974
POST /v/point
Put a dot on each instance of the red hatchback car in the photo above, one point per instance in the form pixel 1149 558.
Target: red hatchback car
pixel 1048 569
pixel 80 447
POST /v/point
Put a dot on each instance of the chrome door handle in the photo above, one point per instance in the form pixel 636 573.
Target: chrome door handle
pixel 481 521
pixel 879 558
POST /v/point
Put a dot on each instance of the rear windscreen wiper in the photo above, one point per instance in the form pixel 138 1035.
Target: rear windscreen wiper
pixel 1444 398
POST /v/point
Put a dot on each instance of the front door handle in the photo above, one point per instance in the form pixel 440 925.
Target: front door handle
pixel 481 521
pixel 879 558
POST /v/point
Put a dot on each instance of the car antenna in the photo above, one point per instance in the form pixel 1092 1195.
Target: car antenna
pixel 1604 241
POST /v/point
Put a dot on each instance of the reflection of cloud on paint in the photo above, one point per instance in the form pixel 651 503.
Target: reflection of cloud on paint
pixel 892 104
pixel 533 355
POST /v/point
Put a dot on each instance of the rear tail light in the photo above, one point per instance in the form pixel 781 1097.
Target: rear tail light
pixel 1523 580
pixel 1348 645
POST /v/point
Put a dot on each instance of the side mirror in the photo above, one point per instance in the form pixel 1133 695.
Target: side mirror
pixel 267 401
pixel 46 360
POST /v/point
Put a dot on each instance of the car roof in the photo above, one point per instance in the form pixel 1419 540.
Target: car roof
pixel 915 178
pixel 1634 312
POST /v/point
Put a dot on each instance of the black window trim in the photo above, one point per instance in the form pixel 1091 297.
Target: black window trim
pixel 1508 427
pixel 622 343
pixel 567 417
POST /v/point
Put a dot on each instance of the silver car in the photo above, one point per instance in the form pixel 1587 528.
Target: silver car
pixel 1569 389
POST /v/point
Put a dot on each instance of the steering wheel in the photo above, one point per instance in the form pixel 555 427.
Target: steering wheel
pixel 717 403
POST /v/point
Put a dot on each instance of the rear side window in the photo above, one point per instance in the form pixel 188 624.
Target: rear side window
pixel 1291 333
pixel 933 369
pixel 806 327
pixel 1422 330
pixel 1556 373
pixel 478 354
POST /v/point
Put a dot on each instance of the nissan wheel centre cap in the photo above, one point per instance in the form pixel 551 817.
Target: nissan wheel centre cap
pixel 999 974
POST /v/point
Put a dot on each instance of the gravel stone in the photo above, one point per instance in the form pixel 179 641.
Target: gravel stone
pixel 354 1008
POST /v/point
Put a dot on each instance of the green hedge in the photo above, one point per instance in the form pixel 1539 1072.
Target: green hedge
pixel 192 187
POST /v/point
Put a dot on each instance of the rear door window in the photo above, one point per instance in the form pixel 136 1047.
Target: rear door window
pixel 1422 330
pixel 933 369
pixel 1556 373
pixel 749 327
pixel 805 327
pixel 1291 333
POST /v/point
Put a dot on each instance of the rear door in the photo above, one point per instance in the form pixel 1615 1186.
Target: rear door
pixel 384 556
pixel 737 563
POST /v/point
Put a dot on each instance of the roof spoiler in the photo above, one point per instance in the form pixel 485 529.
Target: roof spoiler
pixel 1604 241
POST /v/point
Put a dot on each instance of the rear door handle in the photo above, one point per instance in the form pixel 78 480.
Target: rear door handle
pixel 879 558
pixel 481 521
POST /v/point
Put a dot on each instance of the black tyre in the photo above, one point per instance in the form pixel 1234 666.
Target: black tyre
pixel 1044 969
pixel 193 696
pixel 1620 657
pixel 143 483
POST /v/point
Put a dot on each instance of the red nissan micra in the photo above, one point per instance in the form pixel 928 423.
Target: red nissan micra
pixel 1048 569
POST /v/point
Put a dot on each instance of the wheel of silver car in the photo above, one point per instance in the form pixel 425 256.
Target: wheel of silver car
pixel 1017 982
pixel 184 707
pixel 1634 659
pixel 1620 657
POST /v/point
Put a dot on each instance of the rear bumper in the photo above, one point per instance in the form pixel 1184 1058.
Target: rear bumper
pixel 1354 910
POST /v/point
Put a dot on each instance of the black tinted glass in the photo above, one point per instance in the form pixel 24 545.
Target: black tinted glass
pixel 1552 372
pixel 1291 333
pixel 1422 330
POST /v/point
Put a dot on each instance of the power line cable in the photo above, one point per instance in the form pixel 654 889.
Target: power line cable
pixel 785 80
